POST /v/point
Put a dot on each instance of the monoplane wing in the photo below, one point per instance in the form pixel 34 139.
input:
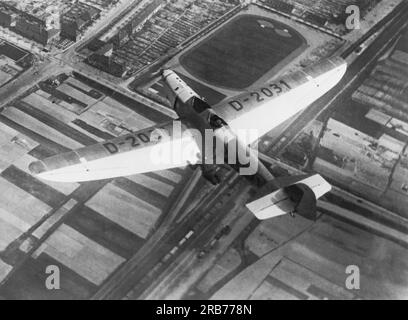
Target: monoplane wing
pixel 156 148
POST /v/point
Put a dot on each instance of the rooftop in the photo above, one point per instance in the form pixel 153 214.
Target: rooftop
pixel 40 9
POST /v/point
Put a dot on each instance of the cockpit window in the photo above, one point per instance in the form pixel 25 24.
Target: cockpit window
pixel 215 121
pixel 199 105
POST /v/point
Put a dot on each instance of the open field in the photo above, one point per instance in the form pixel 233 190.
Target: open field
pixel 241 52
pixel 249 48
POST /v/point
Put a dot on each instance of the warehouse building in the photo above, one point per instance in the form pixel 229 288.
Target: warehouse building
pixel 35 29
pixel 38 22
pixel 7 17
pixel 77 19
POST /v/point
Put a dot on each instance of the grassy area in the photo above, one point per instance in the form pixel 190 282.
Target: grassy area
pixel 242 51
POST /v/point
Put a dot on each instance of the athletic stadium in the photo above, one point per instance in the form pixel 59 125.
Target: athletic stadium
pixel 249 48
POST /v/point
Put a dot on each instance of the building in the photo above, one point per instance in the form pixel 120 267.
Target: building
pixel 7 17
pixel 38 21
pixel 95 44
pixel 105 50
pixel 77 19
pixel 137 22
pixel 106 64
pixel 35 29
pixel 120 38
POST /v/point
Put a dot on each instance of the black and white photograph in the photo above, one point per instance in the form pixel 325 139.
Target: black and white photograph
pixel 206 152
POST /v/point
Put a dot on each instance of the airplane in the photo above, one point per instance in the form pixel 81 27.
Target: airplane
pixel 262 109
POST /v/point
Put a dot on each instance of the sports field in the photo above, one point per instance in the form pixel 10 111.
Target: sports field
pixel 242 51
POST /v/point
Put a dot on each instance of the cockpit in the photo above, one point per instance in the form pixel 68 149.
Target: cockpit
pixel 204 109
pixel 215 121
pixel 199 105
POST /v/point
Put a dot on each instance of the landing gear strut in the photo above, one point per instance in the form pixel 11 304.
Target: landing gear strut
pixel 210 173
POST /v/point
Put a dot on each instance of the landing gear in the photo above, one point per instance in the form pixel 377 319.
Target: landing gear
pixel 210 174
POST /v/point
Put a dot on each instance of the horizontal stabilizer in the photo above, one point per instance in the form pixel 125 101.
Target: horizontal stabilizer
pixel 297 194
pixel 274 204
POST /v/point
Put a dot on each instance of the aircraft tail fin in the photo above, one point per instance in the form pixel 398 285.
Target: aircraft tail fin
pixel 296 194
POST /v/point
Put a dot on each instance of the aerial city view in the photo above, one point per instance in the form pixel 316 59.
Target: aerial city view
pixel 203 149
